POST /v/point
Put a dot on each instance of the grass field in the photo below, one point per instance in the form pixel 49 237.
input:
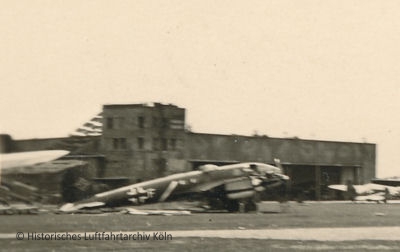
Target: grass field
pixel 295 215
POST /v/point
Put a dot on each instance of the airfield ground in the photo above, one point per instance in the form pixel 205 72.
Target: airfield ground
pixel 353 228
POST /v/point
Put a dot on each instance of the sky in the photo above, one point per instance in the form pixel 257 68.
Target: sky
pixel 313 69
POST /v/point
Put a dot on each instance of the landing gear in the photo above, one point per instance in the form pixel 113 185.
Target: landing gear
pixel 251 206
pixel 232 206
pixel 218 200
pixel 241 206
pixel 247 205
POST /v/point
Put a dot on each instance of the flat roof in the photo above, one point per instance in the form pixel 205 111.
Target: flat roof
pixel 278 138
pixel 140 105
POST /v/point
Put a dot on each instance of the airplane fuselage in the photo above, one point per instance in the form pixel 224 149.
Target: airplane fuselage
pixel 238 180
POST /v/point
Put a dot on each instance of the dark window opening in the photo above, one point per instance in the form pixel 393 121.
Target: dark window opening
pixel 155 122
pixel 141 122
pixel 156 144
pixel 110 123
pixel 164 123
pixel 140 143
pixel 119 144
pixel 173 143
pixel 115 143
pixel 161 165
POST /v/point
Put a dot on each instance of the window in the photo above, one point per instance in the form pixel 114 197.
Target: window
pixel 140 143
pixel 110 123
pixel 115 122
pixel 141 122
pixel 155 122
pixel 173 143
pixel 161 165
pixel 119 144
pixel 115 143
pixel 164 123
pixel 156 144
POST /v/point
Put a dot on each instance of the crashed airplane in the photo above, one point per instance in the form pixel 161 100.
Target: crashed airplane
pixel 368 192
pixel 232 187
pixel 15 190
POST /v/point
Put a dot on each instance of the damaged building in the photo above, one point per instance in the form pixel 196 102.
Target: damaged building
pixel 135 142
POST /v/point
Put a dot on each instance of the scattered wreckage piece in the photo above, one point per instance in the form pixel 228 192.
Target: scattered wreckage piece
pixel 18 209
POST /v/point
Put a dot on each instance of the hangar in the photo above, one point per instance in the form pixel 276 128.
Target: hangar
pixel 142 141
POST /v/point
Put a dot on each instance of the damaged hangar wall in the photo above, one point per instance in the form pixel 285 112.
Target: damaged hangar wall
pixel 231 148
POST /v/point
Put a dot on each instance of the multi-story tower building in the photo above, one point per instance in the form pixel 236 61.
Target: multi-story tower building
pixel 141 140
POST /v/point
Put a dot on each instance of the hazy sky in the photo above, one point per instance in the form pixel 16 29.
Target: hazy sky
pixel 325 69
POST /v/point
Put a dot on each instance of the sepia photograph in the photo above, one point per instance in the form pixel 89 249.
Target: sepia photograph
pixel 199 125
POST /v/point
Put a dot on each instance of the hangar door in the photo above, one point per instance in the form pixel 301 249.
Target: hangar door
pixel 310 182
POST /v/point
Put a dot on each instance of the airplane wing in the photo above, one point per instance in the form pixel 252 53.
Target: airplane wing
pixel 370 191
pixel 73 207
pixel 373 197
pixel 134 211
pixel 370 188
pixel 20 159
pixel 359 189
pixel 342 188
